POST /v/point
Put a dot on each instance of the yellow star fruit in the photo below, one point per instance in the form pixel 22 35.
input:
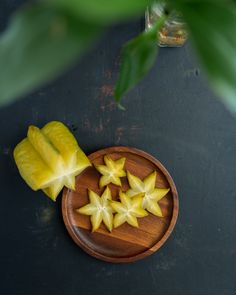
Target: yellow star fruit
pixel 151 194
pixel 128 209
pixel 111 172
pixel 50 158
pixel 99 209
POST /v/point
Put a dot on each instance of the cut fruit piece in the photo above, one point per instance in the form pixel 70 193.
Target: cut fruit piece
pixel 128 209
pixel 111 172
pixel 50 158
pixel 151 194
pixel 99 209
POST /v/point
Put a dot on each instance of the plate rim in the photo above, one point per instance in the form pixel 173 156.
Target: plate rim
pixel 159 243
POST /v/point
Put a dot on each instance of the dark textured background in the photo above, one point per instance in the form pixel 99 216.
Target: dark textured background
pixel 173 115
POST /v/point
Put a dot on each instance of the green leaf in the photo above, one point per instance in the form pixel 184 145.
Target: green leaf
pixel 213 29
pixel 38 45
pixel 103 11
pixel 137 58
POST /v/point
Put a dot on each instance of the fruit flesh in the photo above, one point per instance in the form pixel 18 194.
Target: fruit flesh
pixel 151 194
pixel 111 172
pixel 99 209
pixel 128 209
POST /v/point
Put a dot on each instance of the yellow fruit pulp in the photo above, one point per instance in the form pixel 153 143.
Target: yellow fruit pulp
pixel 111 172
pixel 99 209
pixel 128 209
pixel 151 194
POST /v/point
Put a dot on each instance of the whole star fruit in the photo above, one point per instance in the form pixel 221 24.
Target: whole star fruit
pixel 50 158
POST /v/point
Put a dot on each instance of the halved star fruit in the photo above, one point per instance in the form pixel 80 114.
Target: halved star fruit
pixel 128 209
pixel 99 209
pixel 111 172
pixel 50 158
pixel 151 194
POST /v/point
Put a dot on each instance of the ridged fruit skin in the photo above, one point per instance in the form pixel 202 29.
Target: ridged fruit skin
pixel 50 158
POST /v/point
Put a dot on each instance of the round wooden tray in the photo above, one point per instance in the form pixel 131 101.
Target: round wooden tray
pixel 125 243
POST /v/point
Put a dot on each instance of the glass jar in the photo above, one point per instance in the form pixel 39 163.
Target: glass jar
pixel 173 33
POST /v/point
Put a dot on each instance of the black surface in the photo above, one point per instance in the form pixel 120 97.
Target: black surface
pixel 173 115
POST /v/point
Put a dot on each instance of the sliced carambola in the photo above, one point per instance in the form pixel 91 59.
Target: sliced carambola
pixel 151 194
pixel 128 209
pixel 99 209
pixel 111 172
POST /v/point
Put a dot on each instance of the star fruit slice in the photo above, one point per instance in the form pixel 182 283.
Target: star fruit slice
pixel 151 194
pixel 50 158
pixel 111 171
pixel 99 209
pixel 128 209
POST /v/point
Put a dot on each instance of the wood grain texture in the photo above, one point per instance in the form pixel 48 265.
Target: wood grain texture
pixel 125 243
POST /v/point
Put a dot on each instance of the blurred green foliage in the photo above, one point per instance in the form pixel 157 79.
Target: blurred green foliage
pixel 46 37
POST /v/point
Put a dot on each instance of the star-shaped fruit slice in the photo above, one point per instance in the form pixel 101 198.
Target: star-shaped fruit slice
pixel 99 209
pixel 148 187
pixel 111 172
pixel 50 158
pixel 128 209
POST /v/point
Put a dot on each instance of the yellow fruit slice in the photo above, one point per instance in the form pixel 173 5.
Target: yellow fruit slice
pixel 135 183
pixel 128 209
pixel 111 172
pixel 50 158
pixel 151 194
pixel 99 209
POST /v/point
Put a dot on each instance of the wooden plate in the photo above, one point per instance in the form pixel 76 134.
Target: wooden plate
pixel 126 243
